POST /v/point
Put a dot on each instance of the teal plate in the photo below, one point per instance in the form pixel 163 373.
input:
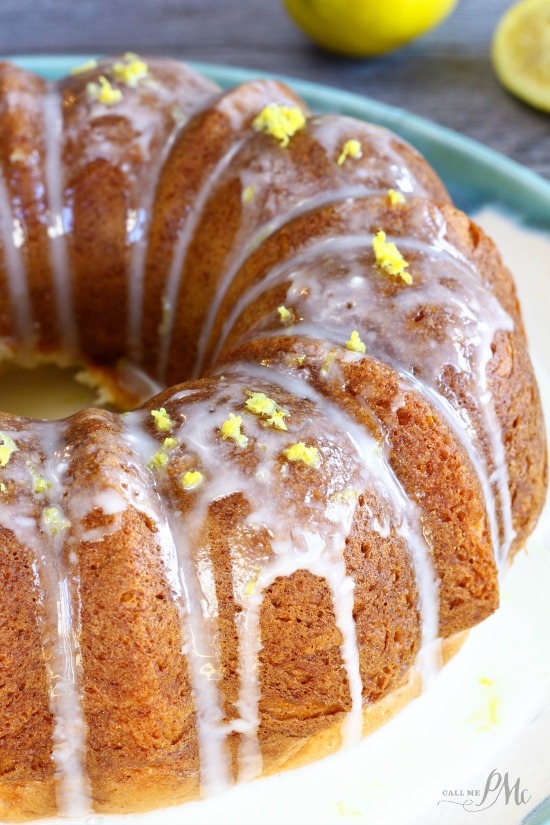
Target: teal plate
pixel 474 174
pixel 476 177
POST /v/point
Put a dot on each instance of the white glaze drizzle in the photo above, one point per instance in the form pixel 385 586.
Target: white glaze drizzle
pixel 56 579
pixel 57 217
pixel 193 583
pixel 15 271
pixel 382 169
pixel 326 301
pixel 318 546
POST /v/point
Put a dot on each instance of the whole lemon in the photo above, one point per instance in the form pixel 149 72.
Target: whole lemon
pixel 364 28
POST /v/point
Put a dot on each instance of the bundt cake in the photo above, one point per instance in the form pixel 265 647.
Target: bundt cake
pixel 266 561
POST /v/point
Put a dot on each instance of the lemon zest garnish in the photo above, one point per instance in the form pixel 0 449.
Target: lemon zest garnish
pixel 250 586
pixel 281 122
pixel 347 494
pixel 307 455
pixel 132 71
pixel 53 519
pixel 248 193
pixel 331 355
pixel 277 420
pixel 355 344
pixel 259 404
pixel 191 479
pixel 170 443
pixel 395 197
pixel 284 314
pixel 389 258
pixel 159 461
pixel 40 484
pixel 84 67
pixel 232 429
pixel 350 149
pixel 103 92
pixel 7 447
pixel 163 422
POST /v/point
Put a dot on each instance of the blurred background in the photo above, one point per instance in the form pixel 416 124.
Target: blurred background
pixel 445 75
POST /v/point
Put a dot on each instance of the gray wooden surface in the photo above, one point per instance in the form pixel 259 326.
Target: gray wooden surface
pixel 446 76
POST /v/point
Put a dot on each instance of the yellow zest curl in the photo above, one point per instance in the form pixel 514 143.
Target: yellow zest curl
pixel 350 149
pixel 54 520
pixel 7 447
pixel 232 429
pixel 355 344
pixel 281 122
pixel 163 422
pixel 395 197
pixel 284 314
pixel 248 194
pixel 159 461
pixel 307 455
pixel 103 92
pixel 191 479
pixel 40 485
pixel 131 71
pixel 259 404
pixel 389 258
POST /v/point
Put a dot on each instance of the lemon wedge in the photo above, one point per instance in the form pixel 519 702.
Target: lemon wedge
pixel 521 52
pixel 364 28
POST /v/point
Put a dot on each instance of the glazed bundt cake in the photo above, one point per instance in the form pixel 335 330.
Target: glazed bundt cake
pixel 265 562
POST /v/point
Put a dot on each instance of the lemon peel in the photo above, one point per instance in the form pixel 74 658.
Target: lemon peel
pixel 250 586
pixel 350 149
pixel 284 314
pixel 300 452
pixel 103 92
pixel 231 429
pixel 355 344
pixel 395 197
pixel 259 404
pixel 248 193
pixel 191 479
pixel 40 484
pixel 54 520
pixel 163 422
pixel 520 53
pixel 389 258
pixel 159 461
pixel 281 122
pixel 131 71
pixel 7 448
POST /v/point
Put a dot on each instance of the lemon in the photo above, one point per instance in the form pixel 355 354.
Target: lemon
pixel 363 28
pixel 521 52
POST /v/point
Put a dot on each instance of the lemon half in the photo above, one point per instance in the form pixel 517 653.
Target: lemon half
pixel 364 28
pixel 521 52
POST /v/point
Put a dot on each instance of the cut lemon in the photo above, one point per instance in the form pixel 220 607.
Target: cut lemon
pixel 521 52
pixel 364 28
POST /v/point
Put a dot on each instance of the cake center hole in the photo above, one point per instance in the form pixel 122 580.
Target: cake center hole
pixel 48 391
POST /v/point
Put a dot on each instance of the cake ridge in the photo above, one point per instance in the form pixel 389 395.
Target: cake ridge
pixel 57 230
pixel 15 270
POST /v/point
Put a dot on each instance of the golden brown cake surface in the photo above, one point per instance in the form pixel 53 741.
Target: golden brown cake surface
pixel 267 561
